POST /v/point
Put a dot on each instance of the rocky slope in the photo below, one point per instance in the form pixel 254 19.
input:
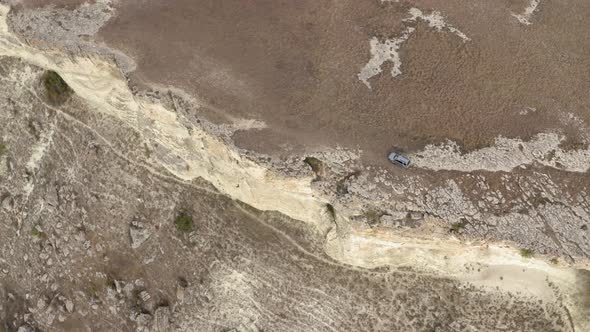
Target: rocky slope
pixel 90 190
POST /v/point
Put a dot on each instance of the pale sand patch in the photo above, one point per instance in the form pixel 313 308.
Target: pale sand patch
pixel 435 20
pixel 505 155
pixel 382 52
pixel 525 17
pixel 39 151
pixel 495 267
pixel 388 50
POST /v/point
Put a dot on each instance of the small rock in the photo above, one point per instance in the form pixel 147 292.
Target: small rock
pixel 41 304
pixel 128 290
pixel 69 306
pixel 25 328
pixel 118 286
pixel 143 319
pixel 138 234
pixel 180 294
pixel 161 321
pixel 51 197
pixel 7 203
pixel 50 318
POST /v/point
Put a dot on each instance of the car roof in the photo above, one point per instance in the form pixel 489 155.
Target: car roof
pixel 402 158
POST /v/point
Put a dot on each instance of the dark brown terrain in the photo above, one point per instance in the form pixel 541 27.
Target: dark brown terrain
pixel 293 64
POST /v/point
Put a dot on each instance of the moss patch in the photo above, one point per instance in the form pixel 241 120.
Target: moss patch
pixel 58 91
pixel 3 149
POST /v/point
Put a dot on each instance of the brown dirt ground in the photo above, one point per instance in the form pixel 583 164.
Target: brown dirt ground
pixel 293 64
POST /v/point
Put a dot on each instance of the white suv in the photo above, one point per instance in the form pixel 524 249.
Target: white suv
pixel 398 159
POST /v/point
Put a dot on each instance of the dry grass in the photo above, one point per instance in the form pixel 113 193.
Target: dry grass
pixel 570 144
pixel 373 216
pixel 527 253
pixel 456 227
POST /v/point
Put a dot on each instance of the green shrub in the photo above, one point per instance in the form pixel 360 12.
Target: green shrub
pixel 554 261
pixel 37 233
pixel 184 222
pixel 315 164
pixel 457 226
pixel 58 91
pixel 527 253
